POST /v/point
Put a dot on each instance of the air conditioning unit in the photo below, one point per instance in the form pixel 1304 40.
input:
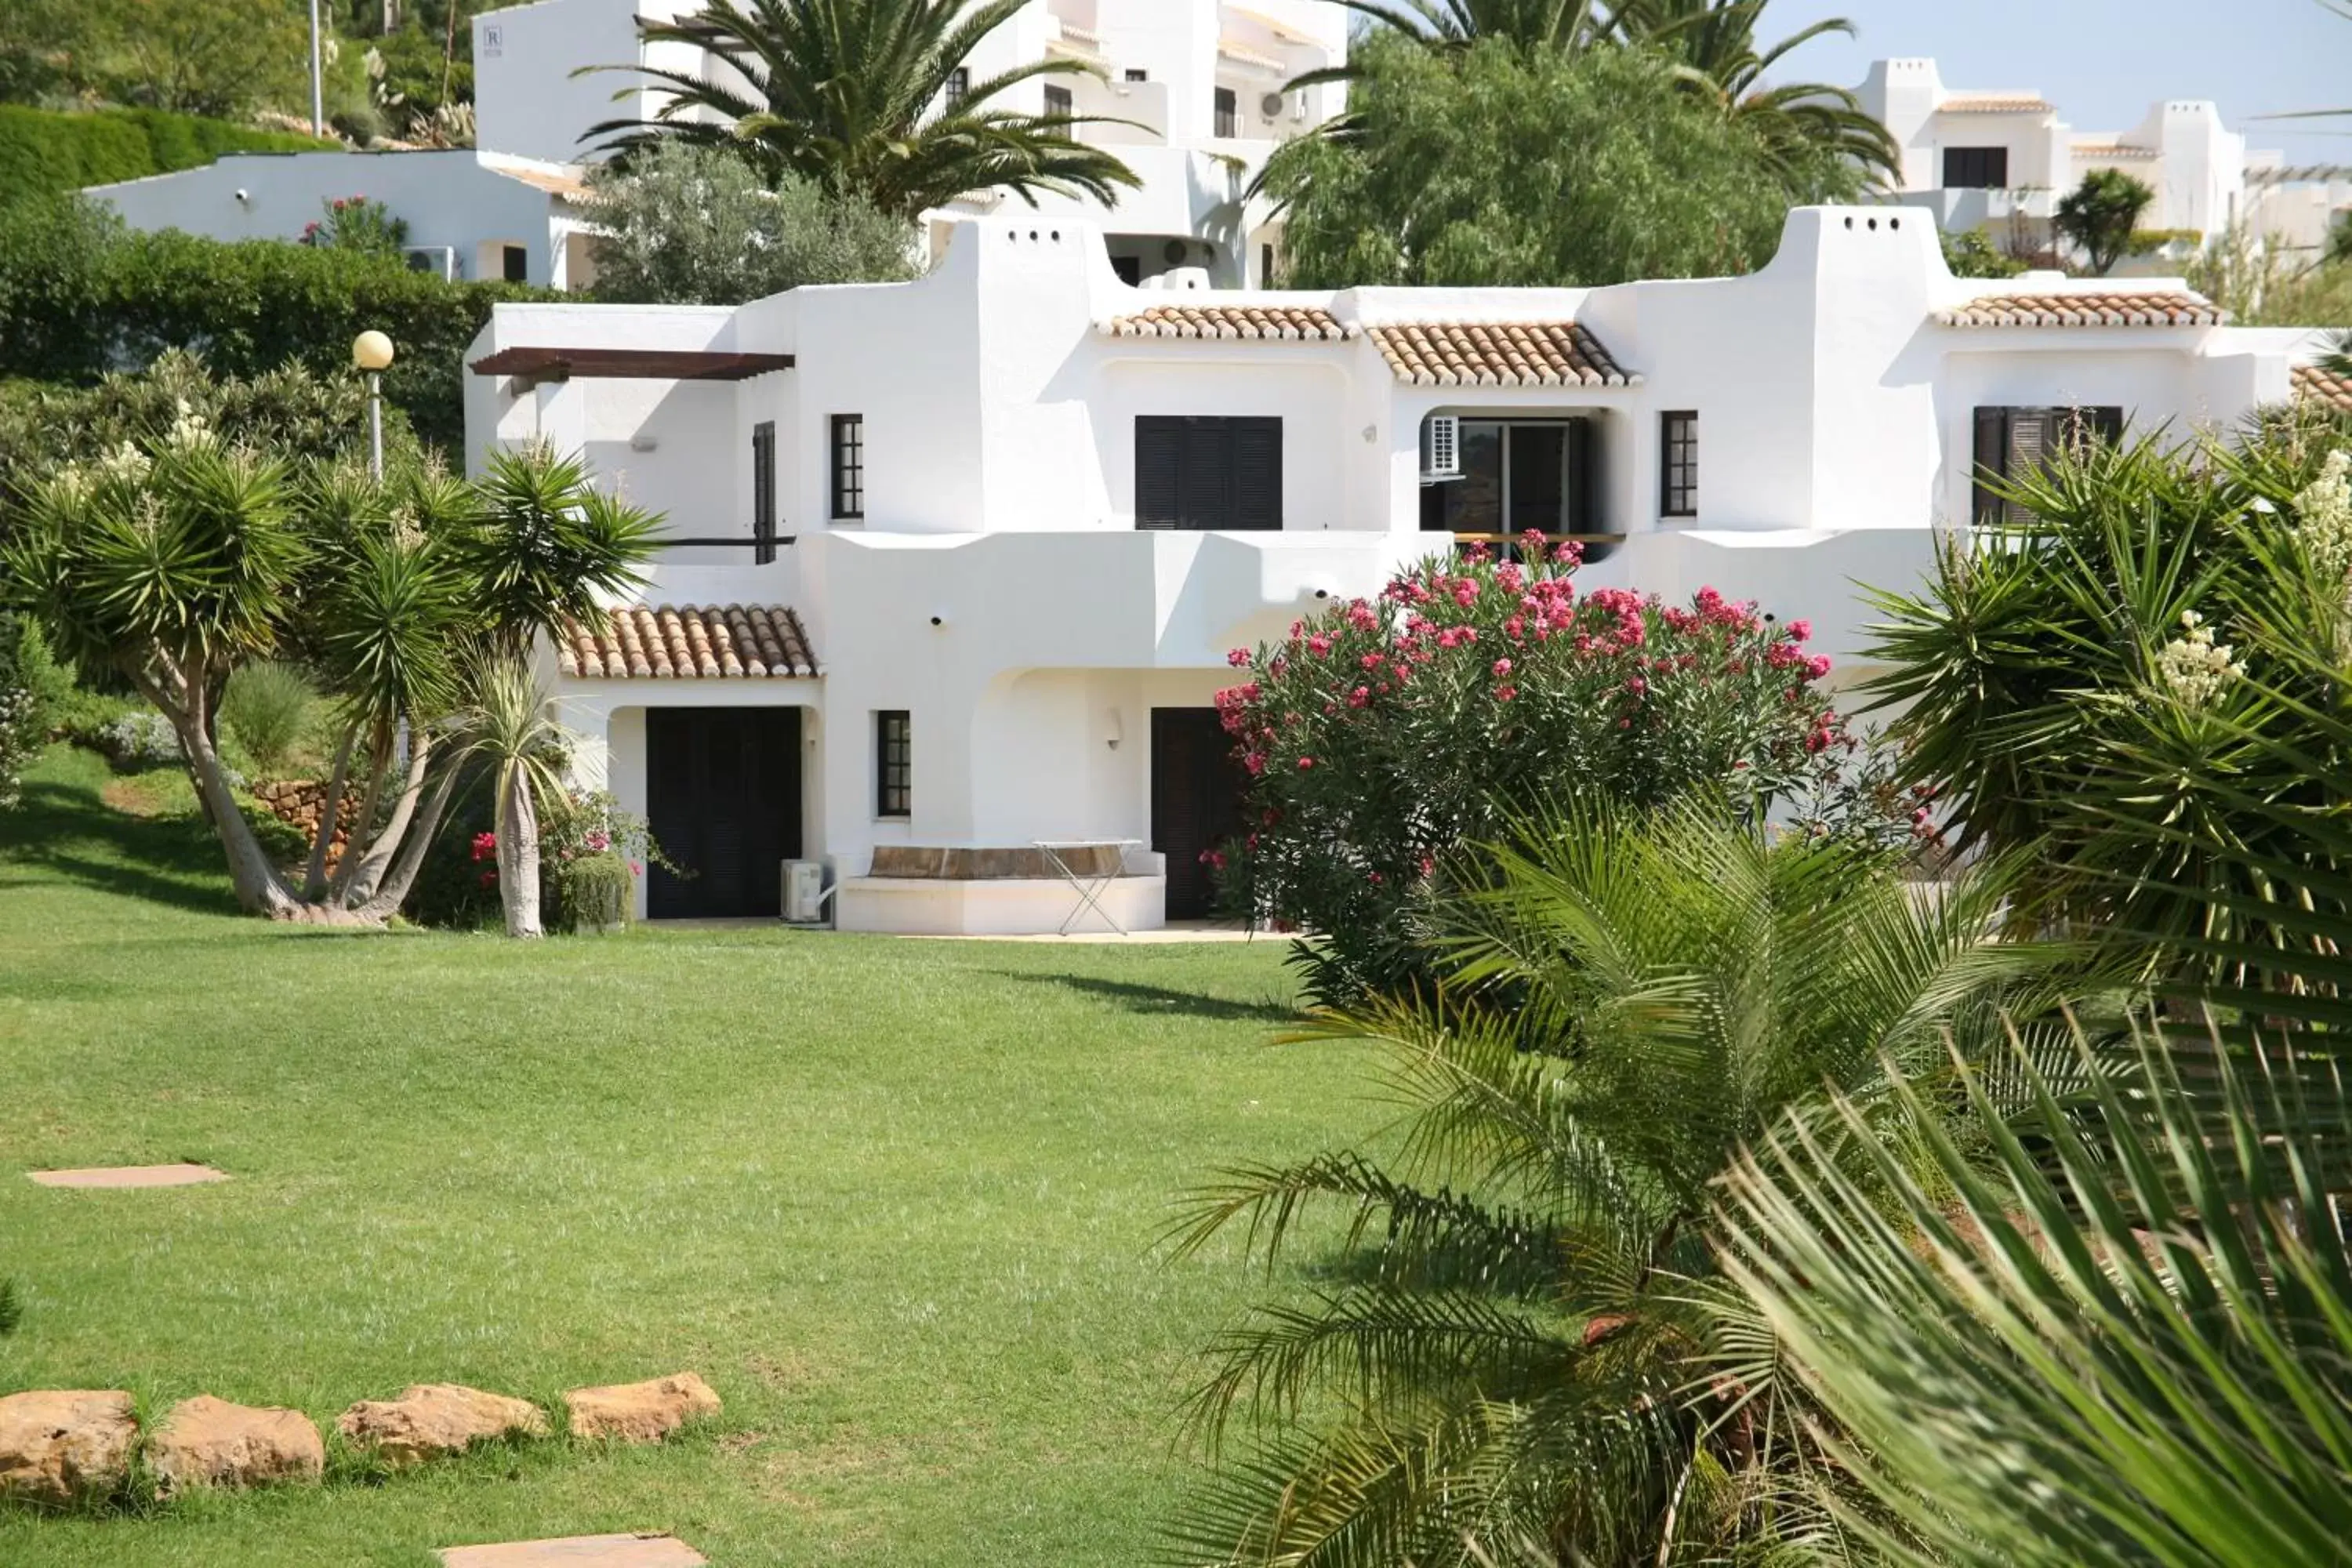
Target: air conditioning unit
pixel 1271 105
pixel 1441 448
pixel 804 892
pixel 441 260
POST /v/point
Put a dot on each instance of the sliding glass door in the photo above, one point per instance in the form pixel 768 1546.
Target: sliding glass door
pixel 1516 475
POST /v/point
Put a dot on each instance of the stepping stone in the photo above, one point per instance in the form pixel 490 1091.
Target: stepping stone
pixel 131 1176
pixel 579 1551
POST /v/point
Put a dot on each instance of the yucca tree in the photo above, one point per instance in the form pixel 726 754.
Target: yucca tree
pixel 853 94
pixel 513 728
pixel 177 563
pixel 2142 1358
pixel 1528 1358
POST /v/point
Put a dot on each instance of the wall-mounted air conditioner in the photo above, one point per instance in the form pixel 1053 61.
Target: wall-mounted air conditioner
pixel 441 260
pixel 1441 448
pixel 804 892
pixel 1271 105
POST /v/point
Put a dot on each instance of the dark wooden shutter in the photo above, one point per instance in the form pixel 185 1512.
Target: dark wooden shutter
pixel 1159 468
pixel 1256 466
pixel 1583 478
pixel 1991 455
pixel 763 491
pixel 1205 482
pixel 2033 435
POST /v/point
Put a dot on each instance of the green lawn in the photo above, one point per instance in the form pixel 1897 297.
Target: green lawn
pixel 896 1200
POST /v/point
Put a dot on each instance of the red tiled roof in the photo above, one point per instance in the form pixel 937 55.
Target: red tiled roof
pixel 1996 103
pixel 1497 354
pixel 1282 322
pixel 689 642
pixel 2324 387
pixel 2121 308
pixel 2114 152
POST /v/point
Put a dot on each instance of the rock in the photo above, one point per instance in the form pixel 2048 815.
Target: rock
pixel 209 1442
pixel 58 1445
pixel 640 1411
pixel 434 1418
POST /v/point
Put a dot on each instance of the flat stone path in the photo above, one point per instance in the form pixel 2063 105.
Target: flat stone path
pixel 131 1176
pixel 579 1551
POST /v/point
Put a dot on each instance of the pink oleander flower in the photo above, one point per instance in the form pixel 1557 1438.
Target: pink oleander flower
pixel 1305 763
pixel 1504 693
pixel 1238 658
pixel 1502 668
pixel 1358 696
pixel 1800 629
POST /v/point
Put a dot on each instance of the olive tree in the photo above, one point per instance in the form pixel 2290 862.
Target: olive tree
pixel 178 562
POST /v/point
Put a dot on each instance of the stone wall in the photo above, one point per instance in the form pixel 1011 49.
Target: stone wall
pixel 300 803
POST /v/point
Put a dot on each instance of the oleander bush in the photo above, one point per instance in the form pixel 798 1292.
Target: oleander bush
pixel 1383 734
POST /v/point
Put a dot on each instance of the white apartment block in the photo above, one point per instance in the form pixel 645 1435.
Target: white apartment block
pixel 1194 87
pixel 2000 160
pixel 957 562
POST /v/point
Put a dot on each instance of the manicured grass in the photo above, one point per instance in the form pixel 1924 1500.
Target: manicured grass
pixel 896 1200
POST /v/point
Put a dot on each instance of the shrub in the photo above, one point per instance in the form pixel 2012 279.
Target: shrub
pixel 140 739
pixel 266 708
pixel 98 298
pixel 19 741
pixel 44 150
pixel 2126 687
pixel 1380 735
pixel 597 892
pixel 358 223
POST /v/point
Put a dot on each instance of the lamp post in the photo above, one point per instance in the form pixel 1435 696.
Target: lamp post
pixel 372 352
pixel 317 90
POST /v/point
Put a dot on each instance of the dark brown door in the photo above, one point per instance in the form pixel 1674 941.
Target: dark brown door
pixel 1197 787
pixel 723 798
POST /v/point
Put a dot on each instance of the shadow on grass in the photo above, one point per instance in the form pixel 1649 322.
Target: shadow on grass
pixel 66 832
pixel 1160 1001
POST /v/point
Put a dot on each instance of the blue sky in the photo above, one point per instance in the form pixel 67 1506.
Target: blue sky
pixel 2103 62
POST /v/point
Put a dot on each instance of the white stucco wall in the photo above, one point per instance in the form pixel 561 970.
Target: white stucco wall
pixel 457 200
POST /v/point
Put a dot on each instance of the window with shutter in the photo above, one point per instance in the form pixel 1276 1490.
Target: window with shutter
pixel 2009 443
pixel 763 491
pixel 1202 474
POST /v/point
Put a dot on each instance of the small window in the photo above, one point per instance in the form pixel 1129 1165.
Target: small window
pixel 763 491
pixel 1266 267
pixel 514 263
pixel 894 764
pixel 1678 463
pixel 1058 101
pixel 958 87
pixel 1134 75
pixel 1228 113
pixel 1976 168
pixel 849 467
pixel 1207 474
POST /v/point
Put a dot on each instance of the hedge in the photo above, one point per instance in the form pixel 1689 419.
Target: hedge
pixel 44 150
pixel 79 297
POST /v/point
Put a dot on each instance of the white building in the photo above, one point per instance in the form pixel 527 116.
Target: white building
pixel 469 215
pixel 2002 159
pixel 1194 86
pixel 960 561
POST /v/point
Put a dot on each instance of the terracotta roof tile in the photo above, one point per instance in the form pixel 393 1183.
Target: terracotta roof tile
pixel 2122 307
pixel 1285 323
pixel 689 642
pixel 2325 386
pixel 1996 103
pixel 2114 152
pixel 1498 354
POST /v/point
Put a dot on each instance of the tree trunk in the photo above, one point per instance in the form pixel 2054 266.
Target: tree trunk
pixel 518 853
pixel 418 840
pixel 380 851
pixel 364 822
pixel 330 811
pixel 259 889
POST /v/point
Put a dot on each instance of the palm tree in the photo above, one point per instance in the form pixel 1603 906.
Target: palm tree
pixel 1528 1355
pixel 1714 41
pixel 869 98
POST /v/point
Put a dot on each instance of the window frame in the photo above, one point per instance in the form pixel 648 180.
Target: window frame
pixel 1995 449
pixel 1678 463
pixel 1179 441
pixel 1225 113
pixel 846 467
pixel 1060 100
pixel 1994 173
pixel 893 765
